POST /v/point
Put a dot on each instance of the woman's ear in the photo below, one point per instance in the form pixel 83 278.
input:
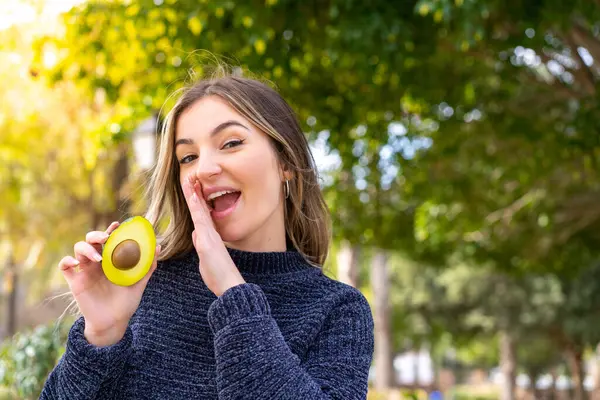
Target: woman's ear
pixel 286 174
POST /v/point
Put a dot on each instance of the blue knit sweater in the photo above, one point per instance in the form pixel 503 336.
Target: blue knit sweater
pixel 288 333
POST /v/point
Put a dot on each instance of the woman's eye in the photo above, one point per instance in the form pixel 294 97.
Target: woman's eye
pixel 186 159
pixel 232 143
pixel 228 145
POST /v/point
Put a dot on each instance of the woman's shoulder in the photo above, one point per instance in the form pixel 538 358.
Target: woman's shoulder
pixel 343 306
pixel 336 294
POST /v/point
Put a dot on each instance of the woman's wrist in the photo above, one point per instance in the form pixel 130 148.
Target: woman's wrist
pixel 104 337
pixel 228 284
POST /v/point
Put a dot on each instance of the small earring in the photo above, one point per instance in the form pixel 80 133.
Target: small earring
pixel 287 189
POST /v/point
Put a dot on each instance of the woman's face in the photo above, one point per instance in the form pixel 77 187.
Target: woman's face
pixel 237 168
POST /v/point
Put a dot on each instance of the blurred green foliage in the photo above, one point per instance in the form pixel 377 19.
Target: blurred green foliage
pixel 466 396
pixel 466 129
pixel 454 135
pixel 28 357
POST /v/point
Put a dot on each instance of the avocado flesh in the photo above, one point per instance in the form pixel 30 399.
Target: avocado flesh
pixel 135 231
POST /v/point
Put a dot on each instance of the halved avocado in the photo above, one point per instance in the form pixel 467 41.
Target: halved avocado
pixel 129 251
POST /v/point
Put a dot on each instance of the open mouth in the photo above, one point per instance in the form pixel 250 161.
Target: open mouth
pixel 223 201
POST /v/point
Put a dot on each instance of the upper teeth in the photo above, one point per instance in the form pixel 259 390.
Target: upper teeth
pixel 217 194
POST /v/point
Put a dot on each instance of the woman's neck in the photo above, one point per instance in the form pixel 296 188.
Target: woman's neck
pixel 262 240
pixel 261 245
pixel 270 236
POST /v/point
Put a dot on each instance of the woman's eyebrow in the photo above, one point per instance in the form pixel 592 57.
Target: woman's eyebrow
pixel 215 131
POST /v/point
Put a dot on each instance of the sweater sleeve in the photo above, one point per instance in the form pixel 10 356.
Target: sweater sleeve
pixel 86 371
pixel 254 361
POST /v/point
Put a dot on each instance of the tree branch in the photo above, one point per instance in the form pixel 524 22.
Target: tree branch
pixel 556 83
pixel 508 212
pixel 582 35
pixel 579 213
pixel 585 74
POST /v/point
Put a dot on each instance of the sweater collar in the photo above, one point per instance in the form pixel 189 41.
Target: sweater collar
pixel 265 263
pixel 272 262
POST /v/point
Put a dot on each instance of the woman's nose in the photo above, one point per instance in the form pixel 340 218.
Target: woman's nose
pixel 207 167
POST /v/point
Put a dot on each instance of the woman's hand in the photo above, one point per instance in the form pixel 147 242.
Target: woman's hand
pixel 216 266
pixel 106 307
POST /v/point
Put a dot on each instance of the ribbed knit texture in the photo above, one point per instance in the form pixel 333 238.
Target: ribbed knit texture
pixel 288 333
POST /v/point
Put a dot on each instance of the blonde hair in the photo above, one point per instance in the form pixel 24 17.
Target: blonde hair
pixel 307 220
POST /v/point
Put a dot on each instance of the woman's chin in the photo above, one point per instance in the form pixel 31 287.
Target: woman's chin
pixel 229 235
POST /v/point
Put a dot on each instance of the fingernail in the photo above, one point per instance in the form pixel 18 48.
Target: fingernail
pixel 76 263
pixel 195 198
pixel 158 249
pixel 97 257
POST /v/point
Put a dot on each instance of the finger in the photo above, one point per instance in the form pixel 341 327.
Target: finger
pixel 112 227
pixel 197 212
pixel 188 192
pixel 85 252
pixel 96 237
pixel 203 204
pixel 68 266
pixel 67 262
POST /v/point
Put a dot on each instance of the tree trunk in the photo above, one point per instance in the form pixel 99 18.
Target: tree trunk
pixel 416 357
pixel 533 390
pixel 575 360
pixel 347 264
pixel 384 372
pixel 596 392
pixel 553 391
pixel 11 289
pixel 508 365
pixel 122 202
pixel 436 364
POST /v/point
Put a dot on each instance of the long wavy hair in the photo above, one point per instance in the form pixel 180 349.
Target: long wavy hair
pixel 306 216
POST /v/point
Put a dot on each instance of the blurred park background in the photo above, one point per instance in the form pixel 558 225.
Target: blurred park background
pixel 458 142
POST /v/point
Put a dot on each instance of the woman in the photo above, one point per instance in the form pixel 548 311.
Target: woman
pixel 237 307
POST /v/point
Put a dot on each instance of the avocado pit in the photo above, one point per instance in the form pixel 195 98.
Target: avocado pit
pixel 126 255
